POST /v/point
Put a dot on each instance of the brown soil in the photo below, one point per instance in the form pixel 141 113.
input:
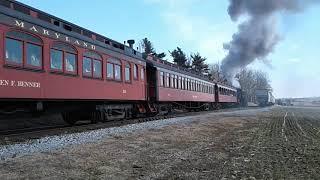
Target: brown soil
pixel 282 143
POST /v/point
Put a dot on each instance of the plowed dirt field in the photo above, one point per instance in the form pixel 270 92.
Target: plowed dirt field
pixel 270 143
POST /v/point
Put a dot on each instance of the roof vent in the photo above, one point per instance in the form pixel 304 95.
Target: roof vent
pixel 131 42
pixel 67 27
pixel 57 23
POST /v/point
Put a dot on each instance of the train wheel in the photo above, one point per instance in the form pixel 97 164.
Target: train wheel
pixel 69 118
pixel 96 117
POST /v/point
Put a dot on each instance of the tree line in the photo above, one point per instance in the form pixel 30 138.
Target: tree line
pixel 194 62
pixel 249 80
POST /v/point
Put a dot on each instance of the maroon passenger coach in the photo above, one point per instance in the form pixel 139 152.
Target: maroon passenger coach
pixel 46 59
pixel 169 84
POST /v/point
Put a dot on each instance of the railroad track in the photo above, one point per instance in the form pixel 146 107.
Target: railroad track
pixel 36 133
pixel 18 135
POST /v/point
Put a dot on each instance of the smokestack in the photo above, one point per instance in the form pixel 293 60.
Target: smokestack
pixel 257 36
pixel 131 43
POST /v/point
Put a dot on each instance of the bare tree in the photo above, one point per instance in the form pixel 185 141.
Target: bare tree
pixel 262 80
pixel 215 73
pixel 251 80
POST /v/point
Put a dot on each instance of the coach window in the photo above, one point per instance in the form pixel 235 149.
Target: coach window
pixel 176 81
pixel 193 85
pixel 171 80
pixel 92 65
pixel 142 73
pixel 161 79
pixel 135 72
pixel 187 84
pixel 183 82
pixel 114 69
pixel 197 86
pixel 127 71
pixel 87 67
pixel 70 65
pixel 63 58
pixel 179 82
pixel 167 80
pixel 23 49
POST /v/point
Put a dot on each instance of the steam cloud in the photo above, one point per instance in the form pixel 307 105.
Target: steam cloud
pixel 257 36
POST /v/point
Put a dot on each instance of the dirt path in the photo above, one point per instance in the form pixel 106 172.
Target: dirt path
pixel 282 143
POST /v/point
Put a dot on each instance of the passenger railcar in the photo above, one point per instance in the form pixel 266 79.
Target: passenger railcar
pixel 175 86
pixel 46 62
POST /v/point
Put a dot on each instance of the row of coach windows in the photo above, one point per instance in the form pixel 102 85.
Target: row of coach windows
pixel 25 50
pixel 228 92
pixel 177 82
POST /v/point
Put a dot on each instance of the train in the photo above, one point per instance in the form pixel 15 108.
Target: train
pixel 49 65
pixel 265 97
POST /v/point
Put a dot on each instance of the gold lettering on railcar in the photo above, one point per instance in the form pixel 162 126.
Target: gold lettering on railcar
pixel 56 35
pixel 22 84
pixel 19 24
pixel 28 84
pixel 67 39
pixel 46 32
pixel 4 82
pixel 77 42
pixel 33 29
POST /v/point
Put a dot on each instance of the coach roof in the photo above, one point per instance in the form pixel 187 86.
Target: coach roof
pixel 44 19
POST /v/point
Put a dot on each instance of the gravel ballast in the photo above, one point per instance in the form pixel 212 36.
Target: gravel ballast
pixel 46 144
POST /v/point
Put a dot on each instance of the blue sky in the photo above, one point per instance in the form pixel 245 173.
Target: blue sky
pixel 201 26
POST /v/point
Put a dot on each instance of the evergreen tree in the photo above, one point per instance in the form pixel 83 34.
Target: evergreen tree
pixel 198 63
pixel 179 57
pixel 161 55
pixel 148 48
